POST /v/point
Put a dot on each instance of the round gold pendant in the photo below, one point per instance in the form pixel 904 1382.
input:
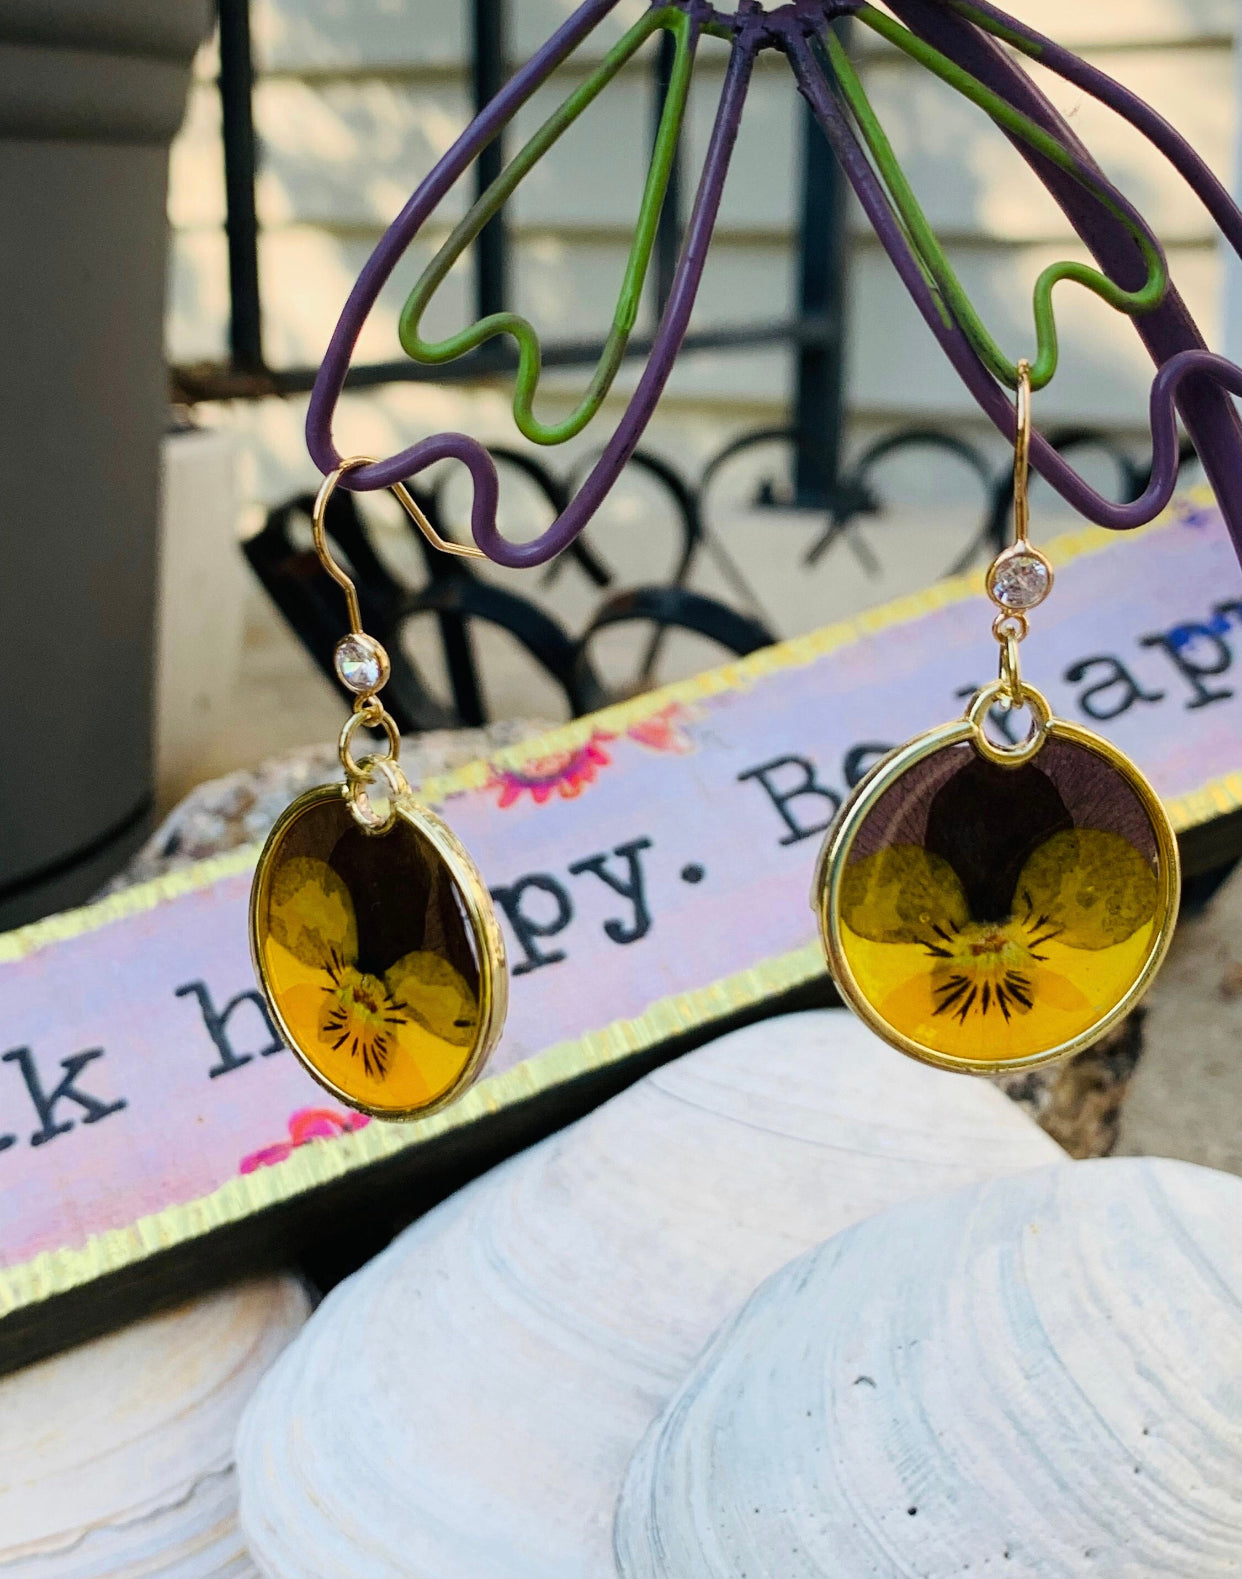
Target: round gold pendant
pixel 988 908
pixel 379 953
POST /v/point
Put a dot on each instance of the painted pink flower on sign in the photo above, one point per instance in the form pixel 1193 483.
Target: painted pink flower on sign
pixel 564 774
pixel 307 1124
pixel 665 731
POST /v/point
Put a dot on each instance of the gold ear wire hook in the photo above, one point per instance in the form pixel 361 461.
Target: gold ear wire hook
pixel 1022 456
pixel 1020 577
pixel 326 490
pixel 408 503
pixel 410 506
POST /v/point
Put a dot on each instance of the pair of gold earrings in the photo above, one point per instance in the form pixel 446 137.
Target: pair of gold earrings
pixel 984 906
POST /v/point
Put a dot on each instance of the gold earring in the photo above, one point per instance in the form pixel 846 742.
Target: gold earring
pixel 989 906
pixel 373 934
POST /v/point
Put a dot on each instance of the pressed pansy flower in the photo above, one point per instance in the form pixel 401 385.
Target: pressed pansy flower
pixel 1001 911
pixel 369 963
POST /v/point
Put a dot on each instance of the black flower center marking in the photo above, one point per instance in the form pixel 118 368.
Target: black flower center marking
pixel 360 1015
pixel 988 969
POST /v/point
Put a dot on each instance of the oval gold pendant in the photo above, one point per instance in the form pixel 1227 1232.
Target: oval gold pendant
pixel 379 954
pixel 990 910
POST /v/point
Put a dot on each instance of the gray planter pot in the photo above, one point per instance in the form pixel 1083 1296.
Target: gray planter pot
pixel 91 93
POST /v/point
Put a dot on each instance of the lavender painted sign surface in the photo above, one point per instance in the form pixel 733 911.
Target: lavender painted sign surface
pixel 655 850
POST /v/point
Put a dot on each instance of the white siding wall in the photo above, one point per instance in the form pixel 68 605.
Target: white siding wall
pixel 357 98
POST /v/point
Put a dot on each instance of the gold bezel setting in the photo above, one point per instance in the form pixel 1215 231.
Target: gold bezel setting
pixel 484 930
pixel 834 857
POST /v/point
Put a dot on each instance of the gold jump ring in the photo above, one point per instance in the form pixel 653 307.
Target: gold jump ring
pixel 1006 755
pixel 362 772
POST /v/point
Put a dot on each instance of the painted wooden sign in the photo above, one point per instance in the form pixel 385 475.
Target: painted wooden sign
pixel 651 866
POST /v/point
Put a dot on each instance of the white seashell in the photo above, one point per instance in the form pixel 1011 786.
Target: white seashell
pixel 465 1407
pixel 116 1458
pixel 1039 1377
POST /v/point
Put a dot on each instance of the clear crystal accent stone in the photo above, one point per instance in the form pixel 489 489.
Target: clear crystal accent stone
pixel 361 664
pixel 1020 579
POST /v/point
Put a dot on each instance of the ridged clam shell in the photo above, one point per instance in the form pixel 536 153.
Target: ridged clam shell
pixel 116 1458
pixel 1039 1377
pixel 466 1405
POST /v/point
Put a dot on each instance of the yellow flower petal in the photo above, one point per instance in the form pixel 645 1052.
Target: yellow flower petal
pixel 1094 887
pixel 437 996
pixel 311 913
pixel 418 1065
pixel 901 894
pixel 1069 990
pixel 1059 992
pixel 1099 977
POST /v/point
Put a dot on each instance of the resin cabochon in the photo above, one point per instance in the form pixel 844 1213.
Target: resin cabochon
pixel 997 914
pixel 369 958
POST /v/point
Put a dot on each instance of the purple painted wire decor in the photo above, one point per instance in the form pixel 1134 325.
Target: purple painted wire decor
pixel 1190 380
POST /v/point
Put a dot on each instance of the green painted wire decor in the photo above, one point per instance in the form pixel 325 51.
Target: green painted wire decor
pixel 922 237
pixel 530 357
